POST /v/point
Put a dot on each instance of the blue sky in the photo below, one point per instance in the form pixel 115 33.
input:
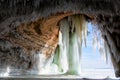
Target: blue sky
pixel 92 59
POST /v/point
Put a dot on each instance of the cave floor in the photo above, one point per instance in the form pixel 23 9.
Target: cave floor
pixel 56 77
pixel 69 77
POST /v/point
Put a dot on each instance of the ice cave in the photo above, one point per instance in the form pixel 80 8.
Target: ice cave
pixel 56 38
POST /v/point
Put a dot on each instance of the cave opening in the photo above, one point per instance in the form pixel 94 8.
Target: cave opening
pixel 92 63
pixel 67 57
pixel 71 58
pixel 96 63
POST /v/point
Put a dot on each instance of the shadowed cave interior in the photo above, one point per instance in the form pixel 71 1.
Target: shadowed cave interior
pixel 36 33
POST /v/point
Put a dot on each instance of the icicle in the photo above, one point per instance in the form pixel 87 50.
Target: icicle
pixel 72 52
pixel 62 50
pixel 5 73
pixel 58 53
pixel 56 59
pixel 64 28
pixel 106 52
pixel 99 43
pixel 80 25
pixel 37 3
pixel 73 56
pixel 43 65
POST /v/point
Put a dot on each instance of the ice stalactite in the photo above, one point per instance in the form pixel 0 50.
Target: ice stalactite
pixel 76 39
pixel 64 28
pixel 99 42
pixel 73 32
pixel 80 24
pixel 107 52
pixel 60 57
pixel 57 59
pixel 44 65
pixel 73 55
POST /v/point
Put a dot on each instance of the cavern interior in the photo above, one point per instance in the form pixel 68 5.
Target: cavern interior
pixel 39 37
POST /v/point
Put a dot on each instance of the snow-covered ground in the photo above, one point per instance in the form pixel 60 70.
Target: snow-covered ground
pixel 98 73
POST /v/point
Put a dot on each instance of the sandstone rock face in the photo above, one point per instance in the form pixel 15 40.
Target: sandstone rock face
pixel 22 42
pixel 30 27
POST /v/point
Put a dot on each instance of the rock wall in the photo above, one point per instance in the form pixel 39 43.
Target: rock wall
pixel 22 42
pixel 110 27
